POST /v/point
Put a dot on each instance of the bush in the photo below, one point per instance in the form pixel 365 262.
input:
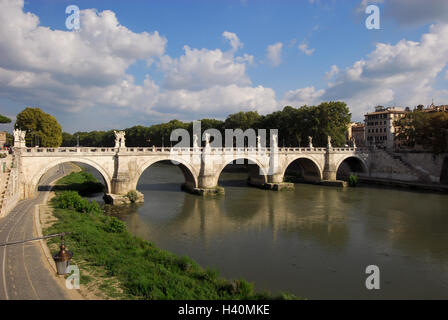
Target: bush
pixel 132 196
pixel 353 180
pixel 114 225
pixel 72 200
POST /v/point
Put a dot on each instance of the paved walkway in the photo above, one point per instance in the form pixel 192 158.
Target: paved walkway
pixel 24 272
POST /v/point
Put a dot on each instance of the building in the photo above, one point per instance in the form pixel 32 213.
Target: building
pixel 3 140
pixel 379 126
pixel 432 108
pixel 356 131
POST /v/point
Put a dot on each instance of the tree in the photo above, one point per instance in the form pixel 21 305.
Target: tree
pixel 242 120
pixel 428 130
pixel 4 119
pixel 42 128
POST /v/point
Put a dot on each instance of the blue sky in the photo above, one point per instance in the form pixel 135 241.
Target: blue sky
pixel 211 58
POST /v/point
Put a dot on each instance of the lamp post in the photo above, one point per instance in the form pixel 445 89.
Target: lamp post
pixel 62 258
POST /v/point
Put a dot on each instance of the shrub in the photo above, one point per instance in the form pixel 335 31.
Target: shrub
pixel 72 200
pixel 132 196
pixel 353 180
pixel 114 225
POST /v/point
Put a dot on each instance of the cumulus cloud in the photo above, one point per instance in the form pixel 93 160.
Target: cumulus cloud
pixel 303 96
pixel 274 53
pixel 218 101
pixel 63 69
pixel 235 42
pixel 198 69
pixel 400 73
pixel 333 71
pixel 305 49
pixel 71 71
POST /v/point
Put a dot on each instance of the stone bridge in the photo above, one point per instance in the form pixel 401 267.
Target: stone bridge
pixel 121 166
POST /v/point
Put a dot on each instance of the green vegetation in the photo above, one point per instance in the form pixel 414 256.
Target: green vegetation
pixel 132 196
pixel 295 125
pixel 42 128
pixel 82 182
pixel 130 267
pixel 429 130
pixel 144 271
pixel 4 119
pixel 353 180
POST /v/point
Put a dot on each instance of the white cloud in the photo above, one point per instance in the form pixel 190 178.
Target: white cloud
pixel 274 53
pixel 401 74
pixel 217 101
pixel 199 69
pixel 235 42
pixel 305 49
pixel 333 71
pixel 304 96
pixel 72 70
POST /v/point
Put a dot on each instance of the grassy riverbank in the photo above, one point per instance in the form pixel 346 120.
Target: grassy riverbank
pixel 130 267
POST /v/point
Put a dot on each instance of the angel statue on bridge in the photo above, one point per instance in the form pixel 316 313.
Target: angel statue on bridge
pixel 329 142
pixel 19 138
pixel 120 140
pixel 274 141
pixel 310 142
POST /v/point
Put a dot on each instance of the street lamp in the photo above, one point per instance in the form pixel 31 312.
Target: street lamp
pixel 62 258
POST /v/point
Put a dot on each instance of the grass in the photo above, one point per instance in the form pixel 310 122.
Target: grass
pixel 83 182
pixel 132 268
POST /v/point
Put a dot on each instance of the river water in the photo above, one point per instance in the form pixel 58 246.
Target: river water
pixel 315 241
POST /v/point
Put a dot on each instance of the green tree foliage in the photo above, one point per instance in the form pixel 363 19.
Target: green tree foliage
pixel 4 119
pixel 295 125
pixel 242 120
pixel 41 128
pixel 429 130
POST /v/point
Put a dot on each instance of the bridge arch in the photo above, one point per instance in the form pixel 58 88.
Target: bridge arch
pixel 311 171
pixel 36 178
pixel 190 174
pixel 351 163
pixel 257 173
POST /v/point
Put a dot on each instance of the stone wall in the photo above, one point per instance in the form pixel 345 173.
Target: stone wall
pixel 12 190
pixel 426 163
pixel 383 165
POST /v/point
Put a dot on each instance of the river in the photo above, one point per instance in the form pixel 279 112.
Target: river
pixel 315 241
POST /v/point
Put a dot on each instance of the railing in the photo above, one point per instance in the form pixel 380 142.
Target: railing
pixel 151 150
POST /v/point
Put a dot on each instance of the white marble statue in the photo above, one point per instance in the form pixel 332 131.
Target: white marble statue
pixel 274 141
pixel 120 140
pixel 310 142
pixel 329 142
pixel 258 142
pixel 19 138
pixel 207 140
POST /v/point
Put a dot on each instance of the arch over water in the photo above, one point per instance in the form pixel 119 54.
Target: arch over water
pixel 188 171
pixel 350 164
pixel 304 169
pixel 257 172
pixel 95 165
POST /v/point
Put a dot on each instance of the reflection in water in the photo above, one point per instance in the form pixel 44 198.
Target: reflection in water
pixel 314 241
